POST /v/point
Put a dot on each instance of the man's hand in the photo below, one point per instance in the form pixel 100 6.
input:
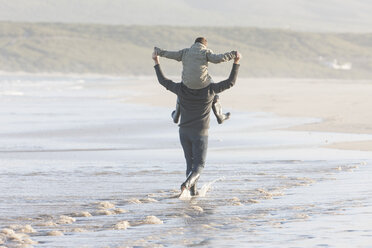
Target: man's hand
pixel 237 58
pixel 155 57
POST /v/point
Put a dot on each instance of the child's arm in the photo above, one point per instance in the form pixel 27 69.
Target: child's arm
pixel 176 55
pixel 218 58
pixel 230 82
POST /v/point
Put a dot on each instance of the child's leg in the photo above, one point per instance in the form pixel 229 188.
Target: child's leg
pixel 217 110
pixel 176 113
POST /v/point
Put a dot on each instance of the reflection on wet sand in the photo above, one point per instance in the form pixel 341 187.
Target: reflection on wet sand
pixel 94 174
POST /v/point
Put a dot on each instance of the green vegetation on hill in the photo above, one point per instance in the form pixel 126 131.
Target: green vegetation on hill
pixel 126 50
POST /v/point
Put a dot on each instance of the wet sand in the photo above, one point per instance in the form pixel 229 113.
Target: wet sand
pixel 82 166
pixel 343 105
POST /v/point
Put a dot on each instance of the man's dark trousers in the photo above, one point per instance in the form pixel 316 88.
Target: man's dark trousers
pixel 195 145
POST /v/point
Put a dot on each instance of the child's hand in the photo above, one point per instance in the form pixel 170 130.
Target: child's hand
pixel 237 58
pixel 155 57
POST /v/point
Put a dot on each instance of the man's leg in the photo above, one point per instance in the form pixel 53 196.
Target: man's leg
pixel 176 113
pixel 187 150
pixel 217 110
pixel 199 153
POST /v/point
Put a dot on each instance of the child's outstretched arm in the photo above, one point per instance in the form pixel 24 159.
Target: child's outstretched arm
pixel 218 58
pixel 176 55
pixel 230 82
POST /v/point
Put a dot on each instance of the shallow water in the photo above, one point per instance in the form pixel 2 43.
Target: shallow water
pixel 81 168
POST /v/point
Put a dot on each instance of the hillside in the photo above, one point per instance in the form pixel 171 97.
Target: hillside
pixel 303 15
pixel 126 50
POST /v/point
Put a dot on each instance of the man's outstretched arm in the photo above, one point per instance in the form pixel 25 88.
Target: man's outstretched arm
pixel 230 82
pixel 176 55
pixel 167 83
pixel 218 58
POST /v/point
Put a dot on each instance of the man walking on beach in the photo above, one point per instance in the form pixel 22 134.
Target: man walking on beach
pixel 195 106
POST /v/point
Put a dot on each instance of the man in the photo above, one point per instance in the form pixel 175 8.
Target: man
pixel 195 106
pixel 195 70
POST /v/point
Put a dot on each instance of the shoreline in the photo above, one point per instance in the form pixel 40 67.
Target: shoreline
pixel 342 105
pixel 97 159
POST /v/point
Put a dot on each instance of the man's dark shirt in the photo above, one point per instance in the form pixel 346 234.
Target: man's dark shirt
pixel 195 105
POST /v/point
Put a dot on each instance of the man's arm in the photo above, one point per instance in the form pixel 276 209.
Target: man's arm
pixel 230 82
pixel 218 58
pixel 167 83
pixel 176 55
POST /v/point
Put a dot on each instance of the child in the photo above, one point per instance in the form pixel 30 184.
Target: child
pixel 195 71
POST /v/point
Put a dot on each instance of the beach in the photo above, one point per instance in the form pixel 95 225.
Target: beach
pixel 95 161
pixel 343 105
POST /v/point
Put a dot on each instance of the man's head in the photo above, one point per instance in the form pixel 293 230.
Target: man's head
pixel 202 40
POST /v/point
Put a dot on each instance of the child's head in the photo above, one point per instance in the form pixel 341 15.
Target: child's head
pixel 202 40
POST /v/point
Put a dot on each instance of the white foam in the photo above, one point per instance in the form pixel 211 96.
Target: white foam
pixel 79 230
pixel 122 225
pixel 119 211
pixel 206 187
pixel 48 223
pixel 82 214
pixel 105 205
pixel 109 212
pixel 134 201
pixel 208 227
pixel 185 195
pixel 22 228
pixel 11 235
pixel 148 200
pixel 235 201
pixel 236 220
pixel 252 201
pixel 7 231
pixel 104 212
pixel 55 233
pixel 63 219
pixel 264 194
pixel 198 209
pixel 152 220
